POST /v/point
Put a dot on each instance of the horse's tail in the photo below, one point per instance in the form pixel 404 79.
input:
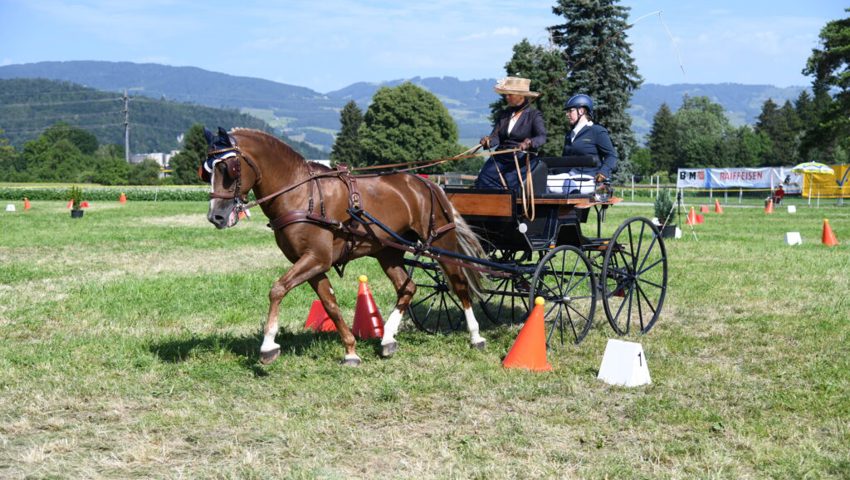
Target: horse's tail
pixel 469 245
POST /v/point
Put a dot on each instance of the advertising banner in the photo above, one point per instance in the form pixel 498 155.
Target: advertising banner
pixel 753 178
pixel 691 178
pixel 744 177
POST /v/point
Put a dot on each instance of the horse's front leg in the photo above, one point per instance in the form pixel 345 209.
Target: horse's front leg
pixel 304 269
pixel 392 261
pixel 322 286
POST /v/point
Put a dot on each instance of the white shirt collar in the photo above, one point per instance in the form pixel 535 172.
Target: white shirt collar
pixel 583 122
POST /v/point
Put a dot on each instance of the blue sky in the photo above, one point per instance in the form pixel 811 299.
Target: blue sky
pixel 328 44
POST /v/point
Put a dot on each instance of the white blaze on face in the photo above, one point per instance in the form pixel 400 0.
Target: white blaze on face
pixel 212 188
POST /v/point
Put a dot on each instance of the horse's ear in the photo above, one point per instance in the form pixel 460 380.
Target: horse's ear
pixel 209 136
pixel 224 138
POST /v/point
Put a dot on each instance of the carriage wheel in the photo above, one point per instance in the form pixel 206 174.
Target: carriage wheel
pixel 565 280
pixel 504 299
pixel 634 276
pixel 434 308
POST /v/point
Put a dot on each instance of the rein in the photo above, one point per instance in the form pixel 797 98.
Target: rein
pixel 338 173
pixel 430 163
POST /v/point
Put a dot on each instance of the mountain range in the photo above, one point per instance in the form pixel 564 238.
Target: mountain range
pixel 306 115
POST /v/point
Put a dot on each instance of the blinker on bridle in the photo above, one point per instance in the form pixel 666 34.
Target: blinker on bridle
pixel 232 158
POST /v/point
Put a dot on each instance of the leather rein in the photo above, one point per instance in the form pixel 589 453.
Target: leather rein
pixel 235 171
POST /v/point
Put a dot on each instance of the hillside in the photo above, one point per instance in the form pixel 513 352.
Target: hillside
pixel 304 114
pixel 28 106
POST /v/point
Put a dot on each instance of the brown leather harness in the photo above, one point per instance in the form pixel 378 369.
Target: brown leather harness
pixel 356 230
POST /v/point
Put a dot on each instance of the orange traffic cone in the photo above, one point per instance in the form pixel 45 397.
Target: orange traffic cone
pixel 769 207
pixel 828 238
pixel 692 217
pixel 84 204
pixel 700 218
pixel 367 319
pixel 703 209
pixel 318 319
pixel 27 205
pixel 529 348
pixel 717 207
pixel 122 199
pixel 70 203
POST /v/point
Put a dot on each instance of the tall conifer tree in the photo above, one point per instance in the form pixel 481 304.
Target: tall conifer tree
pixel 662 139
pixel 346 148
pixel 600 64
pixel 830 66
pixel 781 127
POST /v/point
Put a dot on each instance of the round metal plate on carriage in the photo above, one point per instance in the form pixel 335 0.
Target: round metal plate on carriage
pixel 522 228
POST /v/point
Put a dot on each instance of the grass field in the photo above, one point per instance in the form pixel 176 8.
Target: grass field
pixel 129 349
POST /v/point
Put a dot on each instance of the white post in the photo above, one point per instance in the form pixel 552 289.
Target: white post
pixel 633 188
pixel 740 195
pixel 725 197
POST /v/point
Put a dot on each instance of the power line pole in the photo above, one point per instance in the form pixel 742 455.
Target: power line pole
pixel 126 127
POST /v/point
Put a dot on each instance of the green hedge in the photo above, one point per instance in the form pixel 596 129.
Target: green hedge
pixel 107 193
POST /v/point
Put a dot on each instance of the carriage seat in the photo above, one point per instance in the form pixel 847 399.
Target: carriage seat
pixel 557 177
pixel 559 164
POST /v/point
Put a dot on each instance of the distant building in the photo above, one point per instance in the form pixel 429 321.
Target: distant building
pixel 162 159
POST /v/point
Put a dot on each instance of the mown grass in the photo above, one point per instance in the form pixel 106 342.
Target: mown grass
pixel 130 338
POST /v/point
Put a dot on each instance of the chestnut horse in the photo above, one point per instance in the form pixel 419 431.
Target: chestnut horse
pixel 314 212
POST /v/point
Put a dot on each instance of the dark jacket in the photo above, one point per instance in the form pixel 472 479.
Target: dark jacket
pixel 529 125
pixel 593 140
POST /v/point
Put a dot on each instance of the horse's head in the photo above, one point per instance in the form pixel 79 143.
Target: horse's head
pixel 230 180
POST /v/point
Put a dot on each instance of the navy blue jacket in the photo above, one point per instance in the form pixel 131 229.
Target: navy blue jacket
pixel 593 140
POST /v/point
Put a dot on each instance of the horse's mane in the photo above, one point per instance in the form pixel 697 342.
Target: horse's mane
pixel 277 143
pixel 268 139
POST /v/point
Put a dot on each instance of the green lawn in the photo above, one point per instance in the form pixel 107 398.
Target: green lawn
pixel 129 348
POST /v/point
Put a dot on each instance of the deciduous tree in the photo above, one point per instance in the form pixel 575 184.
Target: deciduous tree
pixel 405 124
pixel 701 127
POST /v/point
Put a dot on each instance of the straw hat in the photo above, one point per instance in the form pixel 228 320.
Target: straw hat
pixel 515 86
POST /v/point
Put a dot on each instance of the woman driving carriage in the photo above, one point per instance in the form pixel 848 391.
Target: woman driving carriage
pixel 587 138
pixel 517 126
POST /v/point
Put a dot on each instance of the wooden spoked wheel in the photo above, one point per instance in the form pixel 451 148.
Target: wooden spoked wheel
pixel 565 280
pixel 634 276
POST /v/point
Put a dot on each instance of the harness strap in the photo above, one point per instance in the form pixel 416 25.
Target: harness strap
pixel 300 216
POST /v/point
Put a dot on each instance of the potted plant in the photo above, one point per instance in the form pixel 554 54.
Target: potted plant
pixel 665 213
pixel 75 196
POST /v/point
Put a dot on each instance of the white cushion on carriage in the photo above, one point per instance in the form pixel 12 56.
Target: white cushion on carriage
pixel 570 183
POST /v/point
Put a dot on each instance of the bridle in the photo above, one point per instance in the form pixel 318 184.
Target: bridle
pixel 232 158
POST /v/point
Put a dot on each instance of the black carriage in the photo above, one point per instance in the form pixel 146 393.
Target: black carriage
pixel 539 247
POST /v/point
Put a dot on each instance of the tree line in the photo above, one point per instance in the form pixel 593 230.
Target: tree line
pixel 589 53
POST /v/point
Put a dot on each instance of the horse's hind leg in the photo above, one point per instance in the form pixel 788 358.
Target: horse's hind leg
pixel 460 285
pixel 392 261
pixel 322 286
